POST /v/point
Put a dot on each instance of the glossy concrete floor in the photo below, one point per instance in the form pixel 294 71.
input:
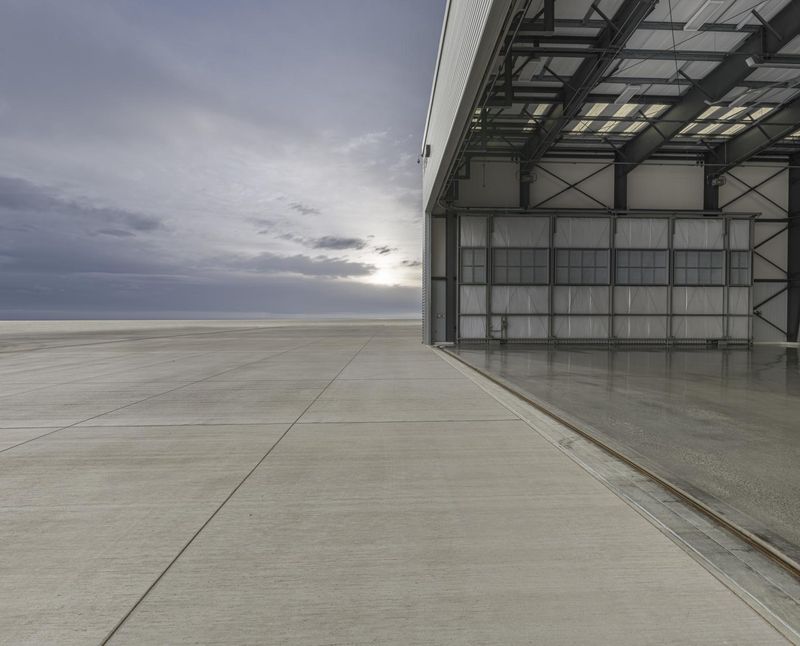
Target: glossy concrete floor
pixel 722 424
pixel 310 484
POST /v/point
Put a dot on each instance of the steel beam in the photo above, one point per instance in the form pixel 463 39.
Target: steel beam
pixel 539 49
pixel 538 26
pixel 774 127
pixel 612 38
pixel 620 184
pixel 793 265
pixel 717 83
pixel 523 95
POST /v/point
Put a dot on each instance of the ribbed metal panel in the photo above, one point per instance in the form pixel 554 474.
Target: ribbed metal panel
pixel 470 35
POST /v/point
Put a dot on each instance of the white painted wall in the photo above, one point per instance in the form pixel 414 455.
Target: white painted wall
pixel 492 183
pixel 665 186
pixel 551 178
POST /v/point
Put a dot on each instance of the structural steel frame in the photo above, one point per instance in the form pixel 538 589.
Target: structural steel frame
pixel 505 126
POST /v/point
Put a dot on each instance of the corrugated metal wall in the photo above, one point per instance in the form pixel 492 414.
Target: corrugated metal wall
pixel 471 32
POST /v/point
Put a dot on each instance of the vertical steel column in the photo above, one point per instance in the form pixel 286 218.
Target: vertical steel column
pixel 551 256
pixel 612 274
pixel 671 278
pixel 489 277
pixel 793 256
pixel 726 276
pixel 451 274
pixel 549 15
pixel 710 192
pixel 620 184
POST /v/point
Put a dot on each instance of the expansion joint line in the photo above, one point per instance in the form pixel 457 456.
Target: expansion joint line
pixel 153 396
pixel 174 560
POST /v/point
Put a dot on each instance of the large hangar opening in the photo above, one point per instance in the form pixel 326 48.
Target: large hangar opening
pixel 612 199
pixel 617 172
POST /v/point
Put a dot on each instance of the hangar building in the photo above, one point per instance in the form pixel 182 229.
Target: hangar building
pixel 618 171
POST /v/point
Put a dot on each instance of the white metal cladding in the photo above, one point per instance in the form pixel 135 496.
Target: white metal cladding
pixel 522 299
pixel 521 232
pixel 641 300
pixel 697 300
pixel 699 234
pixel 469 37
pixel 642 233
pixel 472 299
pixel 739 235
pixel 739 300
pixel 640 327
pixel 472 327
pixel 521 327
pixel 580 299
pixel 697 327
pixel 473 232
pixel 580 327
pixel 582 232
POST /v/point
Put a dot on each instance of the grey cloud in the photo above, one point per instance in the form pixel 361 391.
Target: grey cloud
pixel 270 263
pixel 265 225
pixel 383 250
pixel 117 233
pixel 412 263
pixel 304 208
pixel 138 222
pixel 335 242
pixel 19 195
pixel 23 197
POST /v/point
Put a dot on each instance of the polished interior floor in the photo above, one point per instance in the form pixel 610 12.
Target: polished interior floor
pixel 311 484
pixel 722 424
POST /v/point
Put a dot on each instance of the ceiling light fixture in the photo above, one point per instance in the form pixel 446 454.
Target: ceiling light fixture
pixel 703 15
pixel 757 61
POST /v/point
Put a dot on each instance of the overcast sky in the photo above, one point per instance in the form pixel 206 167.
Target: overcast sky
pixel 207 158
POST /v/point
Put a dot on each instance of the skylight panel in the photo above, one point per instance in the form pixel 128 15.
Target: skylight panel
pixel 649 112
pixel 760 112
pixel 734 129
pixel 708 129
pixel 595 110
pixel 708 112
pixel 730 114
pixel 623 111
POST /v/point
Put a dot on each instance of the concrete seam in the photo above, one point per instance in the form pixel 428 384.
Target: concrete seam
pixel 163 573
pixel 129 340
pixel 166 392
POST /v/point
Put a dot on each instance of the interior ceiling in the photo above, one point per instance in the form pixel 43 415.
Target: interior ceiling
pixel 640 79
